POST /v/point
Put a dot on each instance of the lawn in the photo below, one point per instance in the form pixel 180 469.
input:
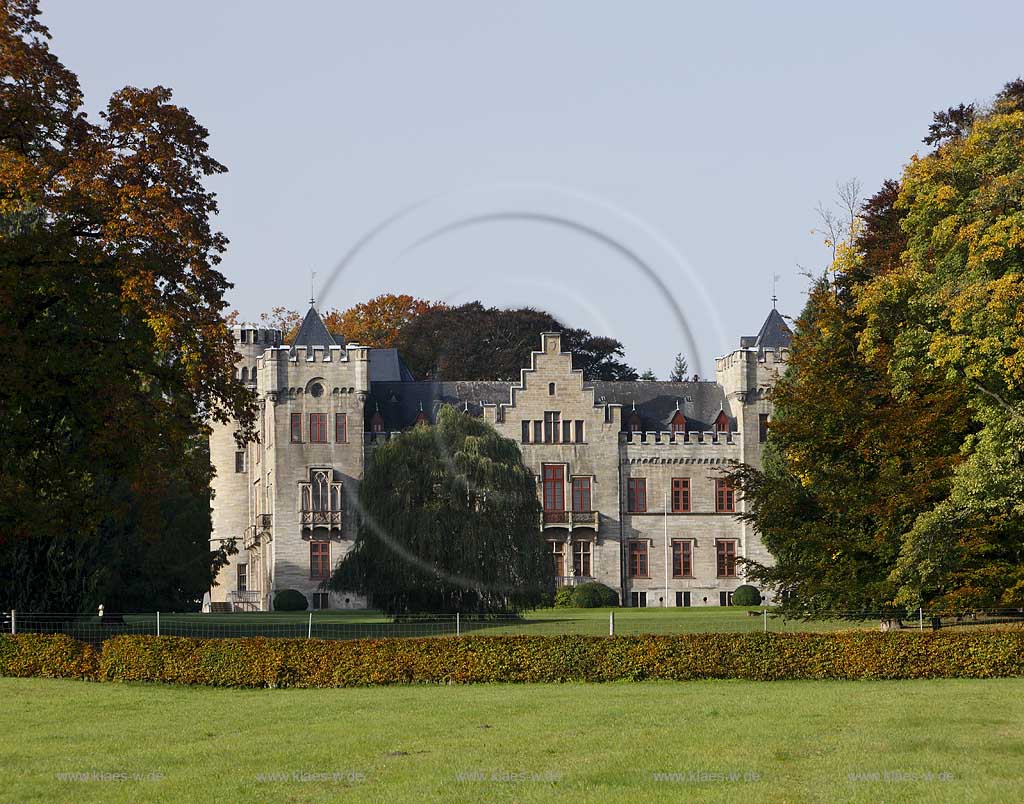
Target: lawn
pixel 731 741
pixel 370 624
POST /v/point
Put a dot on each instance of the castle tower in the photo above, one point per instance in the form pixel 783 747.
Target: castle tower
pixel 231 484
pixel 747 376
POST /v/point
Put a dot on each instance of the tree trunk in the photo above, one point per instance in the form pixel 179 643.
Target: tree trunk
pixel 891 624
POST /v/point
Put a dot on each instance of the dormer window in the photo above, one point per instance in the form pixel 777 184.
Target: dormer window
pixel 678 423
pixel 722 424
pixel 377 423
pixel 635 422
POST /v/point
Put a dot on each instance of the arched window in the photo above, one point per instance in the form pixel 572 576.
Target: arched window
pixel 320 491
pixel 245 375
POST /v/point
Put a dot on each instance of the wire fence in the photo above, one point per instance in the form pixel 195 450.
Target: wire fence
pixel 373 625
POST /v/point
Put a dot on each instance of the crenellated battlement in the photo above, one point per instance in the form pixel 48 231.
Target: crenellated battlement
pixel 314 354
pixel 692 439
pixel 257 336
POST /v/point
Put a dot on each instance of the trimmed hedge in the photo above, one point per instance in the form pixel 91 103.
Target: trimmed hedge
pixel 746 595
pixel 47 656
pixel 594 595
pixel 260 662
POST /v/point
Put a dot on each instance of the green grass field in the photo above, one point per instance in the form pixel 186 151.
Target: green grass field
pixel 368 624
pixel 949 741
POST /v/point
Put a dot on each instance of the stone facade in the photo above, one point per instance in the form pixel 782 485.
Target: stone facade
pixel 630 473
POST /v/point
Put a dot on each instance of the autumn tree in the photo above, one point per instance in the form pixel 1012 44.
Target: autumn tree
pixel 950 316
pixel 449 522
pixel 892 477
pixel 118 354
pixel 378 321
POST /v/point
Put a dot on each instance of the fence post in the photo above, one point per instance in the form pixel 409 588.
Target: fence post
pixel 766 621
pixel 158 623
pixel 611 623
pixel 309 630
pixel 458 624
pixel 920 619
pixel 14 622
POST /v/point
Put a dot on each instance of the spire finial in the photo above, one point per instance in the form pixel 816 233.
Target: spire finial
pixel 312 288
pixel 775 282
pixel 634 406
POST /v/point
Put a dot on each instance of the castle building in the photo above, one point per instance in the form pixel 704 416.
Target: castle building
pixel 629 473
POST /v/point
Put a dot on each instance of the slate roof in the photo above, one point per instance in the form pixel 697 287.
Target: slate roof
pixel 386 365
pixel 399 402
pixel 313 332
pixel 700 402
pixel 775 333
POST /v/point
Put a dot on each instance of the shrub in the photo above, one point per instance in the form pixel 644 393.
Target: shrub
pixel 594 595
pixel 47 656
pixel 259 662
pixel 290 600
pixel 746 595
pixel 563 597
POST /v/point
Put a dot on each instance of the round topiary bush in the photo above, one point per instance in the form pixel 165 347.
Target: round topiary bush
pixel 594 595
pixel 290 600
pixel 746 595
pixel 563 597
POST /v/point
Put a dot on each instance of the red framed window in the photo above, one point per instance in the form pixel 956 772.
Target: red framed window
pixel 554 487
pixel 581 494
pixel 725 496
pixel 318 428
pixel 636 495
pixel 682 559
pixel 319 560
pixel 340 428
pixel 680 495
pixel 296 428
pixel 726 555
pixel 638 559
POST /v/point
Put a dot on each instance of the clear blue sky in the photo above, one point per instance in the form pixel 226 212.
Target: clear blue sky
pixel 698 137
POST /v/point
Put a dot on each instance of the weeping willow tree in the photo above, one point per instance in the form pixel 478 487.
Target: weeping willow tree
pixel 449 521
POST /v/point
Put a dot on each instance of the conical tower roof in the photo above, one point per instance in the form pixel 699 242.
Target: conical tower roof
pixel 313 331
